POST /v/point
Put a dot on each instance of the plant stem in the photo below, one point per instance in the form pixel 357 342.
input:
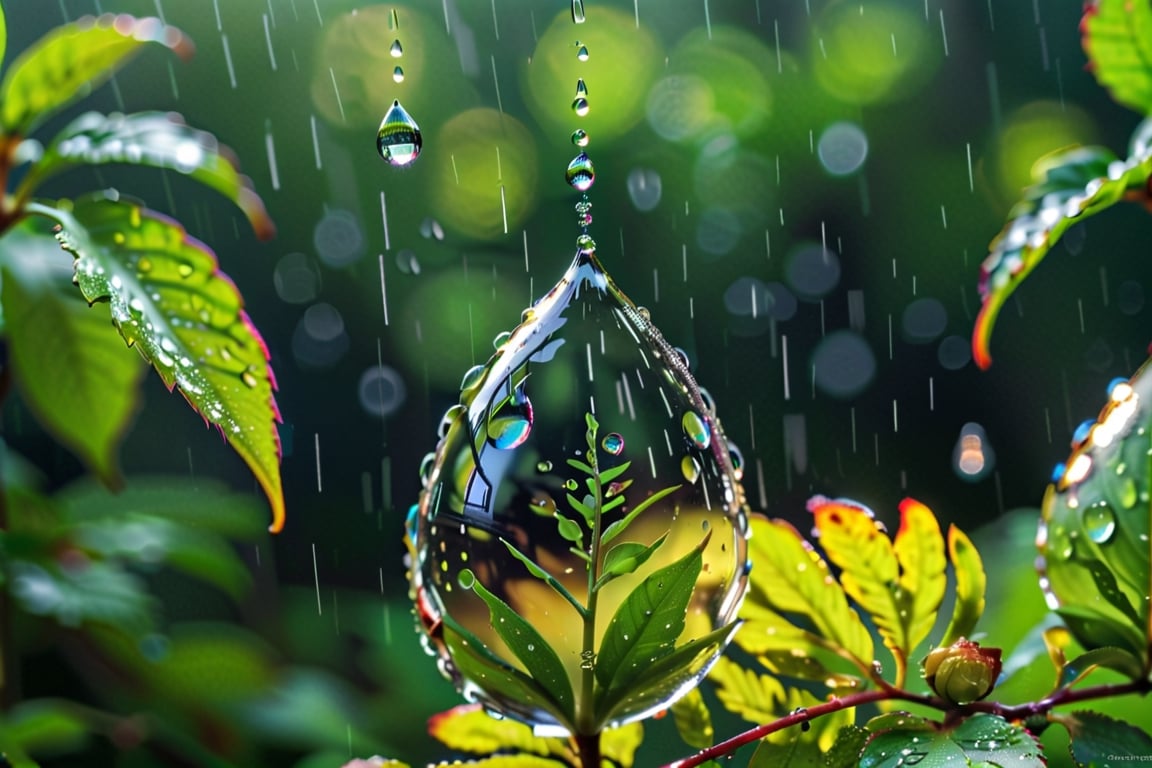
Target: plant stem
pixel 588 748
pixel 586 721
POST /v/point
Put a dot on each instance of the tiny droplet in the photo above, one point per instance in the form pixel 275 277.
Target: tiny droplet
pixel 398 74
pixel 580 137
pixel 613 443
pixel 396 50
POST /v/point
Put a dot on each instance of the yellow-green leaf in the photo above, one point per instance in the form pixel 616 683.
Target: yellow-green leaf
pixel 693 721
pixel 187 319
pixel 505 761
pixel 755 697
pixel 1118 41
pixel 919 549
pixel 620 744
pixel 71 369
pixel 970 585
pixel 468 728
pixel 3 33
pixel 790 577
pixel 71 60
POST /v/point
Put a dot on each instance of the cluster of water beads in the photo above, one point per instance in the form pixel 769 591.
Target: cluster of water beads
pixel 398 140
pixel 1093 536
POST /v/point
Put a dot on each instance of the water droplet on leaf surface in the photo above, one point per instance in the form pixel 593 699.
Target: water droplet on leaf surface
pixel 399 140
pixel 570 352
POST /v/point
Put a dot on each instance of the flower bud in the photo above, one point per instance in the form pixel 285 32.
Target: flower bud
pixel 962 672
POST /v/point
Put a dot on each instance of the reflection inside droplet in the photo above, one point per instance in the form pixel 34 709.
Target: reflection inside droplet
pixel 398 139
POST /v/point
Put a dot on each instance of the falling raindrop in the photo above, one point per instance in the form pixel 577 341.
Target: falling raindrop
pixel 398 74
pixel 578 11
pixel 580 137
pixel 398 140
pixel 581 89
pixel 396 50
pixel 581 51
pixel 580 173
pixel 613 443
pixel 580 106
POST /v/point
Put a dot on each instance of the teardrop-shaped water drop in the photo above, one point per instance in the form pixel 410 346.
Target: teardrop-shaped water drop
pixel 570 353
pixel 1099 522
pixel 578 11
pixel 580 106
pixel 581 88
pixel 696 429
pixel 396 50
pixel 580 137
pixel 398 74
pixel 399 141
pixel 581 52
pixel 580 173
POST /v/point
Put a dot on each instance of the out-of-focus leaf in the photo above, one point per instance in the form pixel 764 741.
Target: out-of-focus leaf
pixel 693 721
pixel 645 626
pixel 538 657
pixel 796 753
pixel 1101 740
pixel 970 585
pixel 71 60
pixel 901 739
pixel 1070 186
pixel 80 590
pixel 755 697
pixel 3 34
pixel 1117 659
pixel 845 750
pixel 505 761
pixel 325 761
pixel 620 744
pixel 70 368
pixel 307 708
pixel 157 139
pixel 789 577
pixel 1117 36
pixel 212 664
pixel 196 333
pixel 468 728
pixel 43 727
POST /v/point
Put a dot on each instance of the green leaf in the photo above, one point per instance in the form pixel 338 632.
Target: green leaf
pixel 900 596
pixel 1098 740
pixel 82 591
pixel 538 657
pixel 43 726
pixel 577 464
pixel 608 475
pixel 585 511
pixel 187 319
pixel 693 720
pixel 469 728
pixel 71 60
pixel 626 557
pixel 1110 657
pixel 845 750
pixel 213 664
pixel 70 368
pixel 156 139
pixel 645 626
pixel 3 34
pixel 789 577
pixel 535 569
pixel 970 586
pixel 569 529
pixel 618 527
pixel 795 753
pixel 901 739
pixel 1070 186
pixel 755 697
pixel 1118 41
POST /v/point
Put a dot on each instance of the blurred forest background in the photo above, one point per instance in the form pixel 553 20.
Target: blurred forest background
pixel 800 192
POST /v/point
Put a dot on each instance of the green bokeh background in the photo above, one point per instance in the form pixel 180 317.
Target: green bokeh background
pixel 725 100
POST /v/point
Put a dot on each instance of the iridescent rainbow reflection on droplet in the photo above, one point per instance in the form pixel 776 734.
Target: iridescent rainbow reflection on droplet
pixel 583 347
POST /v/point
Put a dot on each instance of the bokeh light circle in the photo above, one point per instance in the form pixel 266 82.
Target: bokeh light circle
pixel 812 271
pixel 843 364
pixel 338 238
pixel 842 149
pixel 296 278
pixel 924 320
pixel 381 390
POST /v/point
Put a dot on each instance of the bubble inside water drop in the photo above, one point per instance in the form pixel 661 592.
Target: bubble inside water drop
pixel 580 137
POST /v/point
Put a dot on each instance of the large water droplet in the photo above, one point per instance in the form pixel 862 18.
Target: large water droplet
pixel 1099 522
pixel 487 484
pixel 580 173
pixel 399 140
pixel 696 430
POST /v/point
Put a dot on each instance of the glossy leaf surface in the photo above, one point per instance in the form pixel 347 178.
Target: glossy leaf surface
pixel 468 728
pixel 1101 740
pixel 71 60
pixel 982 739
pixel 70 368
pixel 1118 41
pixel 168 298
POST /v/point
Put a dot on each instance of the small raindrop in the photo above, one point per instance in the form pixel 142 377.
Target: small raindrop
pixel 580 106
pixel 580 137
pixel 543 466
pixel 613 443
pixel 690 468
pixel 581 88
pixel 398 74
pixel 1100 523
pixel 696 430
pixel 581 52
pixel 399 140
pixel 396 50
pixel 578 12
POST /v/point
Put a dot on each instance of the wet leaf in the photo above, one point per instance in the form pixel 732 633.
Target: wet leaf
pixel 187 319
pixel 789 577
pixel 693 720
pixel 626 557
pixel 70 368
pixel 1101 740
pixel 71 60
pixel 468 728
pixel 1117 659
pixel 156 139
pixel 919 549
pixel 1118 41
pixel 970 586
pixel 1070 185
pixel 901 739
pixel 538 657
pixel 645 626
pixel 618 527
pixel 845 750
pixel 537 571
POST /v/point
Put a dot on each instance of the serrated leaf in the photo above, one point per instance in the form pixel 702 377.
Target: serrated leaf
pixel 540 660
pixel 645 626
pixel 901 739
pixel 749 694
pixel 1070 186
pixel 970 586
pixel 1099 740
pixel 71 60
pixel 693 720
pixel 187 319
pixel 627 556
pixel 70 368
pixel 1117 36
pixel 1110 657
pixel 469 728
pixel 618 527
pixel 156 139
pixel 789 577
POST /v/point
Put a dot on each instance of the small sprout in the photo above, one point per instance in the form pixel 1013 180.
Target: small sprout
pixel 962 672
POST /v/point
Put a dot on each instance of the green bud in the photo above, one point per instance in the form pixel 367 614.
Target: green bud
pixel 963 672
